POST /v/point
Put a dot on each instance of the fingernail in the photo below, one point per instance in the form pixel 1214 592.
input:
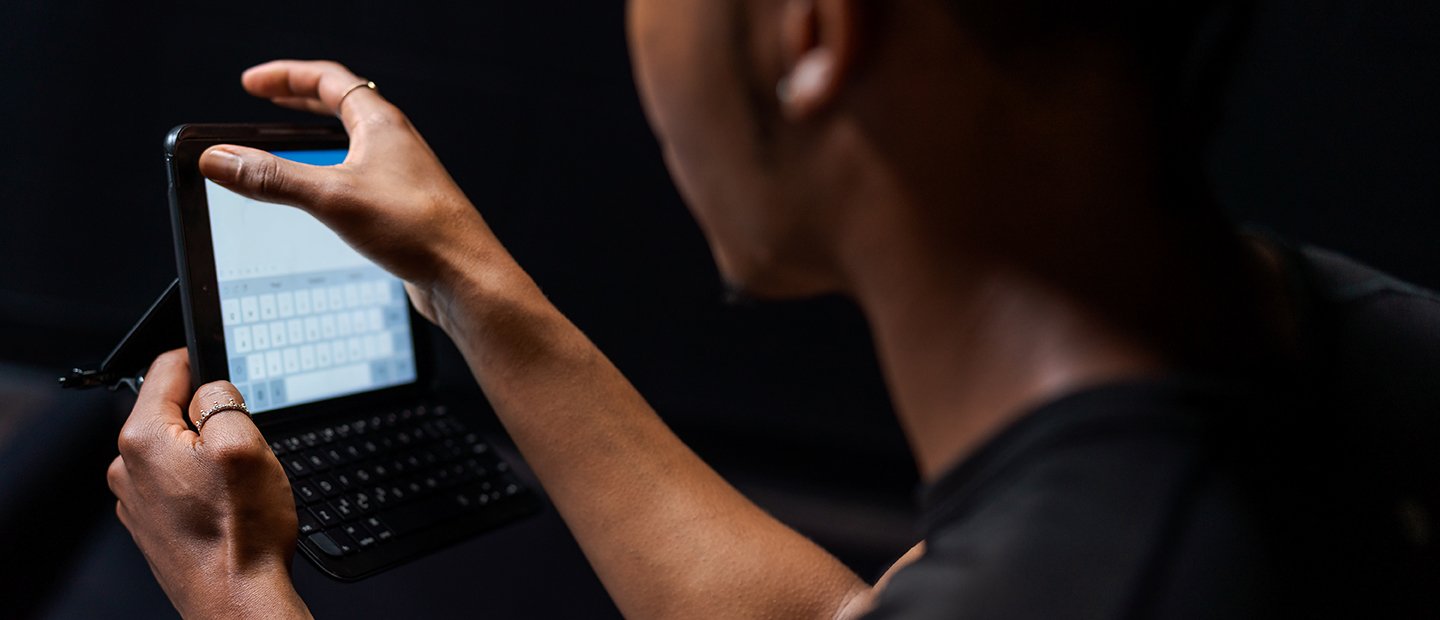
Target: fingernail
pixel 225 167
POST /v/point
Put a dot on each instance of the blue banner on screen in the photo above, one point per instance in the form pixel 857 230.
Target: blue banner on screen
pixel 306 317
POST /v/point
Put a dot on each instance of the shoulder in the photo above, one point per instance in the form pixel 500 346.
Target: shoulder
pixel 1101 521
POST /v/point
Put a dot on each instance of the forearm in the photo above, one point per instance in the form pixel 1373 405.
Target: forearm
pixel 665 533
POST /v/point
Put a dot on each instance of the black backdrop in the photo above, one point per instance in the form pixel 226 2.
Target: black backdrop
pixel 1330 136
pixel 532 107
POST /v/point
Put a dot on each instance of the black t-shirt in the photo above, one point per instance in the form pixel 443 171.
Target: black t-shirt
pixel 1182 498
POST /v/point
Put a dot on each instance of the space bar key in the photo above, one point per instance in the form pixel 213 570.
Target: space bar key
pixel 422 514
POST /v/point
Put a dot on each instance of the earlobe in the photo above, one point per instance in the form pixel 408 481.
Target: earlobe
pixel 809 85
pixel 819 42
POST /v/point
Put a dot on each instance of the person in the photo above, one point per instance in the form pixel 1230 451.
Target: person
pixel 1092 366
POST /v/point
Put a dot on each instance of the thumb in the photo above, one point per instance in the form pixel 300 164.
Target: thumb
pixel 259 175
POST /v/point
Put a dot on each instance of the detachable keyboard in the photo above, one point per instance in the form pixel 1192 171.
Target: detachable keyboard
pixel 379 490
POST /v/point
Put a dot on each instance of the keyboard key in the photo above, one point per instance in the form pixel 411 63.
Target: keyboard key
pixel 342 540
pixel 249 310
pixel 308 524
pixel 285 304
pixel 362 502
pixel 307 492
pixel 255 367
pixel 230 311
pixel 277 334
pixel 260 337
pixel 378 528
pixel 267 307
pixel 319 301
pixel 326 545
pixel 325 515
pixel 336 456
pixel 326 485
pixel 345 509
pixel 316 462
pixel 297 465
pixel 360 534
pixel 238 372
pixel 240 337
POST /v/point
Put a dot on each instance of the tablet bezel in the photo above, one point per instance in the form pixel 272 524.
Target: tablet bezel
pixel 195 258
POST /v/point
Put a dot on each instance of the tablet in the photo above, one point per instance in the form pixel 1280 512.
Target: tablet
pixel 275 302
pixel 326 349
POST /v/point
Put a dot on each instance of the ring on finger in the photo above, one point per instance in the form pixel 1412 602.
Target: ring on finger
pixel 218 407
pixel 366 84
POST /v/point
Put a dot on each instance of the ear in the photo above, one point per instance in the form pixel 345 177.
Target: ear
pixel 820 41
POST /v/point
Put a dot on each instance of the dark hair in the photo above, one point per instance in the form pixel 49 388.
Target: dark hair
pixel 1184 50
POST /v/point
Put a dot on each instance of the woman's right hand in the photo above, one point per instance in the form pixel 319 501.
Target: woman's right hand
pixel 391 199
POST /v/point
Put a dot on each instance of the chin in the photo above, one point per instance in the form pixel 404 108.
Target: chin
pixel 747 282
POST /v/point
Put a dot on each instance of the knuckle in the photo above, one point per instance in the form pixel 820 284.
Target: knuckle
pixel 173 357
pixel 114 474
pixel 132 441
pixel 239 457
pixel 266 177
pixel 385 116
pixel 217 392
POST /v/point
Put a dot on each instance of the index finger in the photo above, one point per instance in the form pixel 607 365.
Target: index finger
pixel 163 397
pixel 321 83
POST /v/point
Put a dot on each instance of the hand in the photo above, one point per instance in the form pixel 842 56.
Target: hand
pixel 212 513
pixel 391 199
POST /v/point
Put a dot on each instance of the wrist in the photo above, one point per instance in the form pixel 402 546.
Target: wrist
pixel 260 592
pixel 491 304
pixel 474 286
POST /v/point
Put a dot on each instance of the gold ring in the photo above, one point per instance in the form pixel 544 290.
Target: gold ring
pixel 217 408
pixel 366 84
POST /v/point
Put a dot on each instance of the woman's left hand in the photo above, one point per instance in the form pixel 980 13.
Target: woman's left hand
pixel 211 511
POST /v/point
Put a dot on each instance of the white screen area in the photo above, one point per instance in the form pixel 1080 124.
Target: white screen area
pixel 306 317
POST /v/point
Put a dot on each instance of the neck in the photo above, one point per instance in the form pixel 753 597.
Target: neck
pixel 966 352
pixel 1028 295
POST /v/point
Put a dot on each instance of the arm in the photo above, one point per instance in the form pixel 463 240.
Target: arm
pixel 667 535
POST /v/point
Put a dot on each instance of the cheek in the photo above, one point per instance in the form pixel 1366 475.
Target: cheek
pixel 695 101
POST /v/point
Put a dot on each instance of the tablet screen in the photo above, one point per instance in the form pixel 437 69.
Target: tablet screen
pixel 306 317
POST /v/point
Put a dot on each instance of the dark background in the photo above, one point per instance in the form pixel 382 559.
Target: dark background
pixel 1329 136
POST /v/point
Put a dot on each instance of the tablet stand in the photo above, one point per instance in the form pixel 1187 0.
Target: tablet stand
pixel 161 329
